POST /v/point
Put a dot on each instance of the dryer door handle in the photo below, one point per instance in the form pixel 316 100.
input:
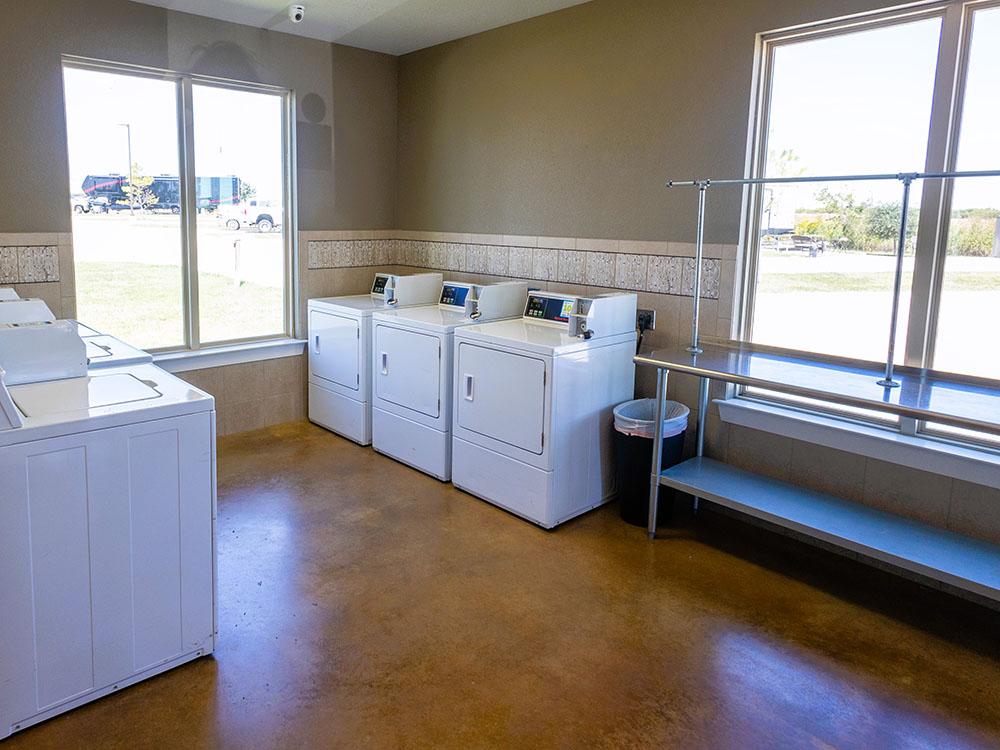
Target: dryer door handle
pixel 385 363
pixel 469 388
pixel 316 344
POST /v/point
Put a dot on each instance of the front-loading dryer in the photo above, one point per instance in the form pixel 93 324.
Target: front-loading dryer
pixel 412 379
pixel 340 350
pixel 532 426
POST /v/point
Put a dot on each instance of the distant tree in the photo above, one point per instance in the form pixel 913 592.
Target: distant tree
pixel 863 224
pixel 138 193
pixel 247 191
pixel 882 223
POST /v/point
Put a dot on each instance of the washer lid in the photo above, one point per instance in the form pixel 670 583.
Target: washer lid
pixel 78 394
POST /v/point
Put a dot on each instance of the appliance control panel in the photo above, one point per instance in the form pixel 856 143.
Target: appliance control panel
pixel 454 295
pixel 552 309
pixel 584 317
pixel 379 284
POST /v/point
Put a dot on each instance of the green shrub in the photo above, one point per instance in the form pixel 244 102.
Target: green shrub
pixel 972 237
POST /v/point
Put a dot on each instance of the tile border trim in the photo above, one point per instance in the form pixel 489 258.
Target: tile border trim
pixel 663 268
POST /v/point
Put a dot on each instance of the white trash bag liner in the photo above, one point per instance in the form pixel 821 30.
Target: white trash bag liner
pixel 638 418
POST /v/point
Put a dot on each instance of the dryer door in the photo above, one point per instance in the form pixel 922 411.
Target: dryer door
pixel 407 369
pixel 335 348
pixel 502 395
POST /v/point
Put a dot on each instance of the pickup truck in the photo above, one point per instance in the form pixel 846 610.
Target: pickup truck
pixel 263 215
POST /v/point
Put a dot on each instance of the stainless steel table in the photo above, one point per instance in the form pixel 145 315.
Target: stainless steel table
pixel 933 553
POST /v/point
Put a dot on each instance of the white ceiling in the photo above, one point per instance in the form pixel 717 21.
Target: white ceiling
pixel 393 26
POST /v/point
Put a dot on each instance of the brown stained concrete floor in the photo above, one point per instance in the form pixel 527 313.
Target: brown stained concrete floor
pixel 364 604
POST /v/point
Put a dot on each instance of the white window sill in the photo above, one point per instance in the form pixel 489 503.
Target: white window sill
pixel 230 354
pixel 916 452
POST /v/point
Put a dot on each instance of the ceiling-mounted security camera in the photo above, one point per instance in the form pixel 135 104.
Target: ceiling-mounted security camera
pixel 296 13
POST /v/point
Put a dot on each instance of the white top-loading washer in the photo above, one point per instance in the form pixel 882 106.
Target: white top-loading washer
pixel 531 429
pixel 340 350
pixel 412 379
pixel 107 512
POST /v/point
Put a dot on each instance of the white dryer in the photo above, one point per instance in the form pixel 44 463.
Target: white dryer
pixel 532 429
pixel 412 379
pixel 340 350
pixel 107 509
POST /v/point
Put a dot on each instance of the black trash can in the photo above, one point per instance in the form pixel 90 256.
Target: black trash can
pixel 634 426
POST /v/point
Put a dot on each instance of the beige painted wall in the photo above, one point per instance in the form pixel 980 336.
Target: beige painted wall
pixel 568 124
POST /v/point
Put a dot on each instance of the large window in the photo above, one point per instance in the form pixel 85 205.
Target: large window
pixel 909 91
pixel 180 189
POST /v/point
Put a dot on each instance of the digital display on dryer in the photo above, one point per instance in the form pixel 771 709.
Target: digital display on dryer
pixel 454 295
pixel 378 287
pixel 548 308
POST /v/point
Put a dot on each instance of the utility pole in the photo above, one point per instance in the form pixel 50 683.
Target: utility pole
pixel 131 177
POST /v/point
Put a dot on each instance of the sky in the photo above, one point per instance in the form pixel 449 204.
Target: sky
pixel 235 132
pixel 861 103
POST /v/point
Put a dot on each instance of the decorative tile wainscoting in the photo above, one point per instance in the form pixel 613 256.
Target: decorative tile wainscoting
pixel 668 272
pixel 29 264
pixel 40 265
pixel 662 273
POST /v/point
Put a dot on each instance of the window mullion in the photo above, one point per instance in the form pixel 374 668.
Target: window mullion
pixel 189 214
pixel 932 229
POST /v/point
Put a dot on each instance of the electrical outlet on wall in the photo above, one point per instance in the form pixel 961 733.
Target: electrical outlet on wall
pixel 645 320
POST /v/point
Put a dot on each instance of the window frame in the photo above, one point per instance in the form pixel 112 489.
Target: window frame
pixel 930 251
pixel 184 83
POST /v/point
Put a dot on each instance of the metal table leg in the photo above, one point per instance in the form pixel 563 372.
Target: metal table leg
pixel 702 418
pixel 657 463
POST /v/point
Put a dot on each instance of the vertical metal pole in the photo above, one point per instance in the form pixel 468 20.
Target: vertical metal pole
pixel 657 462
pixel 699 251
pixel 702 418
pixel 887 381
pixel 131 173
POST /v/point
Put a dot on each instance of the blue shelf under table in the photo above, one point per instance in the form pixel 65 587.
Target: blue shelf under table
pixel 936 554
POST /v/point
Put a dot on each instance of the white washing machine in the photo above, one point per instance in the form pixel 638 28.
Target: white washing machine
pixel 532 428
pixel 107 517
pixel 412 380
pixel 340 384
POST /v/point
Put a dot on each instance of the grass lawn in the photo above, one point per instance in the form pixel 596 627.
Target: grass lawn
pixel 142 304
